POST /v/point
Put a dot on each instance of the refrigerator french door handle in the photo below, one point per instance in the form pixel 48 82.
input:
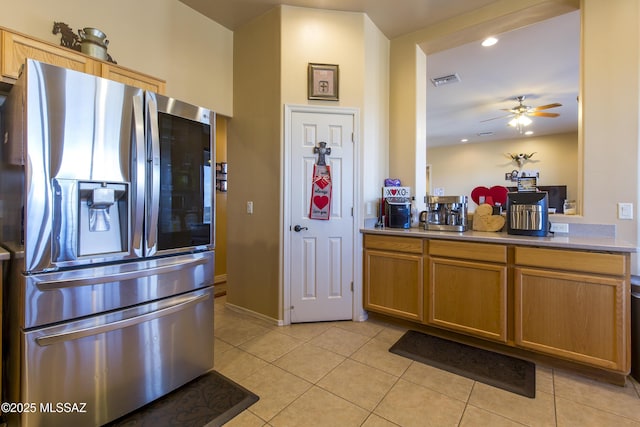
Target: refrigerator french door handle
pixel 139 175
pixel 153 161
pixel 50 285
pixel 52 339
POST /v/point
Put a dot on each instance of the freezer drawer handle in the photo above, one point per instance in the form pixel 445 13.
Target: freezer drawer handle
pixel 120 324
pixel 49 285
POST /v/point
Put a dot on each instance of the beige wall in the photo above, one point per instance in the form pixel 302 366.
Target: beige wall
pixel 253 241
pixel 163 38
pixel 462 167
pixel 610 89
pixel 374 153
pixel 352 41
pixel 271 55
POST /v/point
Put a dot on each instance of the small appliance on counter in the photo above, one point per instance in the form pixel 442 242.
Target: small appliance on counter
pixel 528 213
pixel 398 212
pixel 395 205
pixel 445 213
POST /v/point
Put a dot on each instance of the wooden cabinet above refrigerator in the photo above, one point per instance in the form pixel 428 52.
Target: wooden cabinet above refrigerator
pixel 16 47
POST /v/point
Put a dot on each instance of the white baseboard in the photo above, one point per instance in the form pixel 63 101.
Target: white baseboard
pixel 253 314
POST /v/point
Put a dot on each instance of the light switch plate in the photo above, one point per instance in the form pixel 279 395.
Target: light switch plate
pixel 625 210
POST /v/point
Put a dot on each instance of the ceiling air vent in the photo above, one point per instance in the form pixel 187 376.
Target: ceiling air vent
pixel 445 80
pixel 485 133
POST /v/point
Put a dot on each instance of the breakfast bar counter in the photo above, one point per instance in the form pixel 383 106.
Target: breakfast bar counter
pixel 582 242
pixel 563 298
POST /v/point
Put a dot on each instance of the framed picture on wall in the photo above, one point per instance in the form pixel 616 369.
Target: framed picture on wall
pixel 322 80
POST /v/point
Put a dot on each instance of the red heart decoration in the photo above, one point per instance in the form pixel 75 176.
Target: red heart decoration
pixel 321 201
pixel 394 192
pixel 478 192
pixel 495 194
pixel 499 194
pixel 322 182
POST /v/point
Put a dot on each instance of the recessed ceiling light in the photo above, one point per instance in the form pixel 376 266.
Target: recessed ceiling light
pixel 489 41
pixel 529 132
pixel 464 140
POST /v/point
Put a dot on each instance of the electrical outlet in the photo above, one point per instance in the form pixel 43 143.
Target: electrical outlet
pixel 625 210
pixel 250 207
pixel 559 227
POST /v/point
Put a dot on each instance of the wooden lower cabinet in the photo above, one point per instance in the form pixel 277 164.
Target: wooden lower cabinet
pixel 564 303
pixel 393 278
pixel 575 315
pixel 468 296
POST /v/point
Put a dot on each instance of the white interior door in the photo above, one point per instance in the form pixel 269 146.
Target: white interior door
pixel 321 255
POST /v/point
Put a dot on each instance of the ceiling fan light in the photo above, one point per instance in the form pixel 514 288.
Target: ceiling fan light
pixel 521 120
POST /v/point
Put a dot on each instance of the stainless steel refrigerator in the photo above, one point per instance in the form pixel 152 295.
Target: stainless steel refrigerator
pixel 108 210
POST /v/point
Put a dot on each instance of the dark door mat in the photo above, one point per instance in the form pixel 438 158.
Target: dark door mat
pixel 210 400
pixel 505 372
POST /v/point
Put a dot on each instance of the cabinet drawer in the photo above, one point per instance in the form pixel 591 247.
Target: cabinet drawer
pixel 587 262
pixel 393 243
pixel 468 251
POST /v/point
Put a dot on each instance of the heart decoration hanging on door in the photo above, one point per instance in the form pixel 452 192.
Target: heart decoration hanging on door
pixel 321 185
pixel 321 201
pixel 323 182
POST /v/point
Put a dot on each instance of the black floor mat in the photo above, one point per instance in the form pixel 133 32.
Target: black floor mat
pixel 210 400
pixel 506 372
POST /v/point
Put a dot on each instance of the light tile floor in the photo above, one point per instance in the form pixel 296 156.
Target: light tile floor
pixel 342 374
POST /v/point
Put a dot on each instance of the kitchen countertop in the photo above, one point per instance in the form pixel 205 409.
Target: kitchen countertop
pixel 4 255
pixel 608 244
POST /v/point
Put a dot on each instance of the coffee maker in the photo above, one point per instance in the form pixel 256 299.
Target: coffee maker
pixel 445 213
pixel 528 213
pixel 398 212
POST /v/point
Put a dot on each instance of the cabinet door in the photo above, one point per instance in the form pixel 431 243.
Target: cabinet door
pixel 17 48
pixel 576 316
pixel 132 78
pixel 469 297
pixel 393 283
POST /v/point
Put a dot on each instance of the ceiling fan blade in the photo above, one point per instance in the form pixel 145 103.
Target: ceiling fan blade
pixel 496 118
pixel 541 114
pixel 544 107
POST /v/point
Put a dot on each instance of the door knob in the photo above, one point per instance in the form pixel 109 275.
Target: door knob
pixel 298 228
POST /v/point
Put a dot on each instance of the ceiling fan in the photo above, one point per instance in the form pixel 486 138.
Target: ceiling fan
pixel 520 113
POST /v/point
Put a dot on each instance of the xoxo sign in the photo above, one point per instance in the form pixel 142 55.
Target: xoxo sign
pixel 396 192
